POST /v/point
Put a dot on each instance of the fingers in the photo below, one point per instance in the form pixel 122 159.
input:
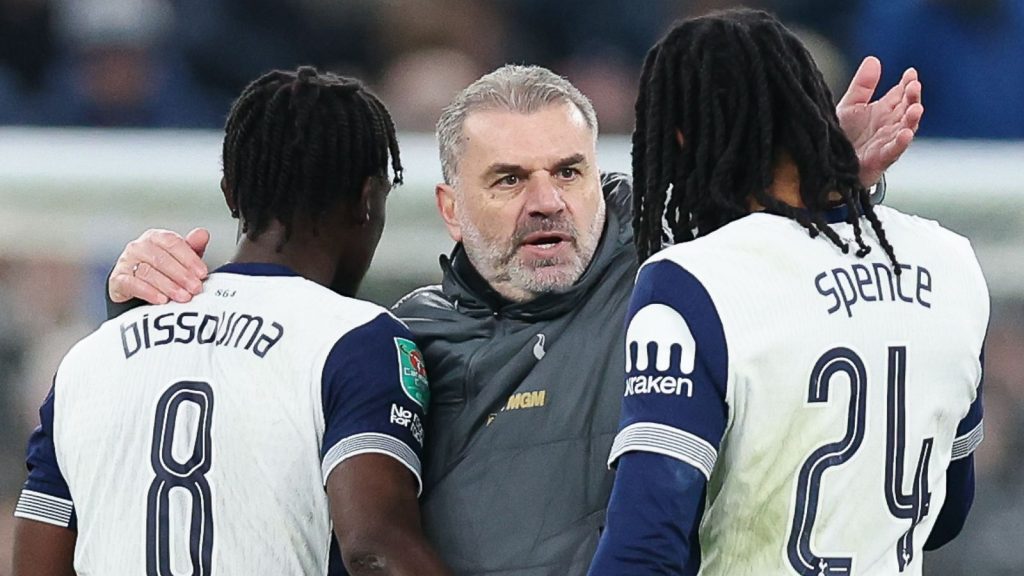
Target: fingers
pixel 198 239
pixel 863 84
pixel 124 286
pixel 172 255
pixel 901 97
pixel 158 266
pixel 912 119
pixel 913 86
pixel 912 99
pixel 909 110
pixel 895 147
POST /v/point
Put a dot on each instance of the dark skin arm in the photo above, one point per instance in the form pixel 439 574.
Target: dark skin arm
pixel 377 519
pixel 43 549
pixel 373 506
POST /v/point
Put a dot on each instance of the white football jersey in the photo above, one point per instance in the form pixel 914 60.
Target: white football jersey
pixel 197 438
pixel 822 395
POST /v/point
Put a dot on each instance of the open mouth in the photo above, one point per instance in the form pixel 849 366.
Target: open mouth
pixel 546 240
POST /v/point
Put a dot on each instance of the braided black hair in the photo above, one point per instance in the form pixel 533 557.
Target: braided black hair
pixel 298 142
pixel 743 91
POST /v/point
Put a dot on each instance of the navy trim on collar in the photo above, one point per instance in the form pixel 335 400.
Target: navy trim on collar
pixel 838 214
pixel 256 269
pixel 832 215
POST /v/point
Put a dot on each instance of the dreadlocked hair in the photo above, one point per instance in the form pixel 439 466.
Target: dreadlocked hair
pixel 743 92
pixel 298 142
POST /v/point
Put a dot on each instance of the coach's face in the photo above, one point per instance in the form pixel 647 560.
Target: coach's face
pixel 526 202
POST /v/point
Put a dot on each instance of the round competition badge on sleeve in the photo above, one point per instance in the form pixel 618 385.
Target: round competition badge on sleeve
pixel 413 372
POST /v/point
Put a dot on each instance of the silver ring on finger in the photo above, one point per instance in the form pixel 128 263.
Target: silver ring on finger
pixel 135 268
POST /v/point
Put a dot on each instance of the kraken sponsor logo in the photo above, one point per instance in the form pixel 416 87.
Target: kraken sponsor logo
pixel 660 353
pixel 659 339
pixel 671 385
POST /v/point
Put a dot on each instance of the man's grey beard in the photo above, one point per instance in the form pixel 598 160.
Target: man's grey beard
pixel 501 266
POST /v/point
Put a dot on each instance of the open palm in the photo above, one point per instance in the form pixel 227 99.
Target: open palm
pixel 882 130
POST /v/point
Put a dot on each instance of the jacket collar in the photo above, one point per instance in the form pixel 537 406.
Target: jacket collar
pixel 471 294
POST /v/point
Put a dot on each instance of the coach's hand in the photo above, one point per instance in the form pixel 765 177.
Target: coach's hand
pixel 881 131
pixel 159 266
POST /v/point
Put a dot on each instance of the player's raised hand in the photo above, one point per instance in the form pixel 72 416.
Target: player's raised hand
pixel 159 266
pixel 881 131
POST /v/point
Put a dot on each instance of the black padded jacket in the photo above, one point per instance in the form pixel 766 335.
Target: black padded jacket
pixel 524 407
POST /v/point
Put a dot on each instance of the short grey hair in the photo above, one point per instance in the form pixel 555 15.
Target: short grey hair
pixel 523 89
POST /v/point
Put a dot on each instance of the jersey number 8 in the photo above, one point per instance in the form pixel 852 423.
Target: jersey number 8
pixel 178 475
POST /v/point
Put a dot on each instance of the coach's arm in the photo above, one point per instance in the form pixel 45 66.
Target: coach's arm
pixel 377 519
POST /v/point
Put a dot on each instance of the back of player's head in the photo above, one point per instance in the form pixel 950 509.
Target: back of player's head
pixel 296 143
pixel 742 92
pixel 515 88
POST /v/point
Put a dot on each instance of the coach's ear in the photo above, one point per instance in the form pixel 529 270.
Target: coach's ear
pixel 446 199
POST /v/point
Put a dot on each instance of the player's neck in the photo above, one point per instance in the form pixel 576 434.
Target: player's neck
pixel 786 182
pixel 785 185
pixel 309 259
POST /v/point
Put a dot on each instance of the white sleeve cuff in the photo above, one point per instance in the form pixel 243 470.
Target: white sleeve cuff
pixel 372 443
pixel 667 441
pixel 44 508
pixel 964 446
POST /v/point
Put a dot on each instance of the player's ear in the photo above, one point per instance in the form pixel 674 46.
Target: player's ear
pixel 446 200
pixel 364 206
pixel 228 197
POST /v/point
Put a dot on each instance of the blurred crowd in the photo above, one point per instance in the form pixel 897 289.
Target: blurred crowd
pixel 179 63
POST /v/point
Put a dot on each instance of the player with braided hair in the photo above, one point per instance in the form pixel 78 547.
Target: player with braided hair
pixel 230 434
pixel 747 96
pixel 790 407
pixel 298 141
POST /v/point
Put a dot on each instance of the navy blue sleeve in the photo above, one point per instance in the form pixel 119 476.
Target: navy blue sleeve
pixel 960 474
pixel 45 496
pixel 959 498
pixel 676 370
pixel 654 530
pixel 375 396
pixel 674 415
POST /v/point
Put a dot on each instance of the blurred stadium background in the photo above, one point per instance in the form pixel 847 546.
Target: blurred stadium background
pixel 109 124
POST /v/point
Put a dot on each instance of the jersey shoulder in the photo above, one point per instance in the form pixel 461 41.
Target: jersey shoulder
pixel 90 354
pixel 925 229
pixel 319 308
pixel 909 232
pixel 738 240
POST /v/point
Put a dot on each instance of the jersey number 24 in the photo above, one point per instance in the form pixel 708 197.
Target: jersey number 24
pixel 913 506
